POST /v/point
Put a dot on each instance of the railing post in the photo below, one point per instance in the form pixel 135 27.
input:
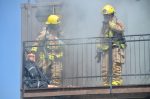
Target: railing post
pixel 22 66
pixel 110 63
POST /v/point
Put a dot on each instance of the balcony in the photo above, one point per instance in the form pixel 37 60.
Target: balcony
pixel 81 74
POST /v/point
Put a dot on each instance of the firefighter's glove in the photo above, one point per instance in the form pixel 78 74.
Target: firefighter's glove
pixel 34 49
pixel 112 24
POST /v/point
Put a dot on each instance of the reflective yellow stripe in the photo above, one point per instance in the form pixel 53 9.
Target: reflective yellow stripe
pixel 51 56
pixel 103 47
pixel 34 49
pixel 123 46
pixel 42 56
pixel 118 43
pixel 109 34
pixel 59 55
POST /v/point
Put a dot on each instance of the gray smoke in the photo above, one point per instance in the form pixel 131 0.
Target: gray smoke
pixel 83 18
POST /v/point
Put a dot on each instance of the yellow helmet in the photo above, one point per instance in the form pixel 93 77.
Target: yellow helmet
pixel 108 9
pixel 52 19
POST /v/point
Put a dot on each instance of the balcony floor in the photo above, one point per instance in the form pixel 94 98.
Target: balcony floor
pixel 132 91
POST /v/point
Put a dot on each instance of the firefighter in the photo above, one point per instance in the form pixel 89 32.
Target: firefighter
pixel 114 30
pixel 33 77
pixel 50 54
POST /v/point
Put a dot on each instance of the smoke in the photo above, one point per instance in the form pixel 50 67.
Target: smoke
pixel 83 18
pixel 135 15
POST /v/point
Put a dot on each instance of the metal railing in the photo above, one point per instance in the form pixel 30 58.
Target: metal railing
pixel 81 69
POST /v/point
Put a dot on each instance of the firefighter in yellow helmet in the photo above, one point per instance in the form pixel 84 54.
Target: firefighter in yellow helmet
pixel 112 29
pixel 50 54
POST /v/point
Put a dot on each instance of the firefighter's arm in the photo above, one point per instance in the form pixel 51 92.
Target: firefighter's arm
pixel 39 38
pixel 116 26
